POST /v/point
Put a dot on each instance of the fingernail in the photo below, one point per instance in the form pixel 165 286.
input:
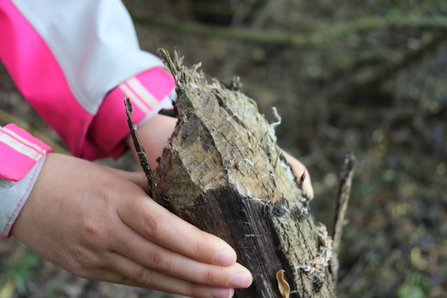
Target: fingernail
pixel 240 280
pixel 225 258
pixel 309 188
pixel 310 192
pixel 221 293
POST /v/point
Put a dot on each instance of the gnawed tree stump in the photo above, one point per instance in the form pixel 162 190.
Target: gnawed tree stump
pixel 224 173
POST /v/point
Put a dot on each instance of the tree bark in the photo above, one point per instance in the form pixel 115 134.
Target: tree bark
pixel 223 172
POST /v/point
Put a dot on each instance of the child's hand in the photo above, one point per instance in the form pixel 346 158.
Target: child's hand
pixel 97 225
pixel 154 136
pixel 298 168
pixel 139 178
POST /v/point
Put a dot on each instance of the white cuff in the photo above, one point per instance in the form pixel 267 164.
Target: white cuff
pixel 13 196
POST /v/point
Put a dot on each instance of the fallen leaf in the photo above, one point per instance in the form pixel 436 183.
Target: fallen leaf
pixel 8 289
pixel 283 286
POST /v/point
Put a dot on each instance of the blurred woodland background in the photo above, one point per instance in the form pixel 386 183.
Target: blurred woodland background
pixel 368 77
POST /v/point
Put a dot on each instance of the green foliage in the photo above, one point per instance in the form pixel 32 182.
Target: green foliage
pixel 20 269
pixel 410 291
pixel 415 289
pixel 55 289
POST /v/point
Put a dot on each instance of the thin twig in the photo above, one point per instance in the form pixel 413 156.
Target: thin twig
pixel 300 40
pixel 340 210
pixel 239 51
pixel 150 175
pixel 381 75
pixel 409 59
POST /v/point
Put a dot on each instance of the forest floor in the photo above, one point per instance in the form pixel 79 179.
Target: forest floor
pixel 395 239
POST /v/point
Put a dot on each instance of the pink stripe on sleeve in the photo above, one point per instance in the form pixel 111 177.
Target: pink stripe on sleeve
pixel 109 127
pixel 19 152
pixel 158 81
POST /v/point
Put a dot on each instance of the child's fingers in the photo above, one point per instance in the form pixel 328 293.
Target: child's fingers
pixel 160 226
pixel 125 271
pixel 165 261
pixel 298 168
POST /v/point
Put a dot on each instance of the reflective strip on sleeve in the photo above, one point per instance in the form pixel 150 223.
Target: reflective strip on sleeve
pixel 135 99
pixel 142 93
pixel 149 92
pixel 19 152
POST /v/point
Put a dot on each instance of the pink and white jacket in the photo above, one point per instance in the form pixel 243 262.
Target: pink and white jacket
pixel 73 61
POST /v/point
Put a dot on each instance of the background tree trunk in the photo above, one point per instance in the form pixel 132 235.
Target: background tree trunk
pixel 223 172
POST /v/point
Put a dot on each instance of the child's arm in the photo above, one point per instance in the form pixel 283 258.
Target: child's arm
pixel 73 60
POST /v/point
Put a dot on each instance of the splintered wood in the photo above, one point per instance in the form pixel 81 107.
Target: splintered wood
pixel 223 172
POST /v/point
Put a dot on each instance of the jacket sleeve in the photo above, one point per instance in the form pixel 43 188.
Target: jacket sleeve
pixel 21 158
pixel 73 60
